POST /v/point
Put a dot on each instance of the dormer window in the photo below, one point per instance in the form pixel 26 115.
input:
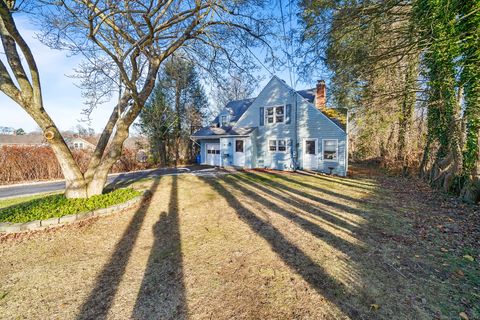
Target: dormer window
pixel 223 121
pixel 275 115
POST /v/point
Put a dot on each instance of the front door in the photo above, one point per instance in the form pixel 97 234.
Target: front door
pixel 239 153
pixel 213 154
pixel 310 154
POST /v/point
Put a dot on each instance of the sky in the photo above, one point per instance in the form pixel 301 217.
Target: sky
pixel 62 97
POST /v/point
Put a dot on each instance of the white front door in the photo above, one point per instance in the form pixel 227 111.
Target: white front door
pixel 310 154
pixel 239 153
pixel 213 154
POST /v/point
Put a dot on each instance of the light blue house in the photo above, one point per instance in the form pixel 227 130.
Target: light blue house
pixel 280 129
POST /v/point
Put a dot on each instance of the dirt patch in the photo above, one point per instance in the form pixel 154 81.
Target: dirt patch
pixel 256 245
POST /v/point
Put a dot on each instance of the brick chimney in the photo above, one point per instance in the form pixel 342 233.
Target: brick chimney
pixel 321 95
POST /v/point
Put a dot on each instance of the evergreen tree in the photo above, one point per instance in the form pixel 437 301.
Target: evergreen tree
pixel 177 108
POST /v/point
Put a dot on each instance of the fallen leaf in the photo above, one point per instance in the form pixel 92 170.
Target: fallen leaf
pixel 469 257
pixel 463 315
pixel 459 273
pixel 374 306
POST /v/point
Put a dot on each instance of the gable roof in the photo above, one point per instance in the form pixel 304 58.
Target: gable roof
pixel 71 140
pixel 235 108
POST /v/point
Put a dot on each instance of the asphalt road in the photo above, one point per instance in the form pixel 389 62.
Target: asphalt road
pixel 113 180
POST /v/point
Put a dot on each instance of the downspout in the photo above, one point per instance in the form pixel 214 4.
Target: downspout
pixel 347 144
pixel 294 149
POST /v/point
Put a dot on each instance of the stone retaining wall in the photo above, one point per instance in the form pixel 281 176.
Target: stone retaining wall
pixel 8 227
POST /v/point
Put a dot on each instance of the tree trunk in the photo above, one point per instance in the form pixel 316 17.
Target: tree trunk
pixel 179 122
pixel 407 113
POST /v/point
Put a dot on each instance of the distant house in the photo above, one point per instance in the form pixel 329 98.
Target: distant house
pixel 281 129
pixel 7 130
pixel 77 143
pixel 23 140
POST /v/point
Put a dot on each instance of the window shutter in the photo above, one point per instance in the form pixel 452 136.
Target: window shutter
pixel 262 116
pixel 288 113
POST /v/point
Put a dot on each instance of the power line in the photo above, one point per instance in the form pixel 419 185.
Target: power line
pixel 286 45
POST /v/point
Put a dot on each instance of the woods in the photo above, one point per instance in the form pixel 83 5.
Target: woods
pixel 409 73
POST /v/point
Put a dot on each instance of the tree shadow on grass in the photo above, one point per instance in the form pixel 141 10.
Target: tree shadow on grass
pixel 284 177
pixel 348 182
pixel 101 297
pixel 332 219
pixel 307 225
pixel 326 285
pixel 332 204
pixel 162 292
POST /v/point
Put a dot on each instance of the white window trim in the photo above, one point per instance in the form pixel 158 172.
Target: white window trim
pixel 275 114
pixel 276 145
pixel 226 120
pixel 235 145
pixel 323 150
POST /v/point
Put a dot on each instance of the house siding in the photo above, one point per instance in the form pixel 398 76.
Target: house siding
pixel 227 147
pixel 311 124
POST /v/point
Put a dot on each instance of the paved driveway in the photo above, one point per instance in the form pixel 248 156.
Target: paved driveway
pixel 113 180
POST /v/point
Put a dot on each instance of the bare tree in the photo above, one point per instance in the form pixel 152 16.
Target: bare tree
pixel 234 87
pixel 124 43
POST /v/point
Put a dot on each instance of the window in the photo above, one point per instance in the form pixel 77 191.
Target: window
pixel 330 150
pixel 223 121
pixel 238 145
pixel 270 117
pixel 272 145
pixel 279 114
pixel 277 145
pixel 310 147
pixel 275 115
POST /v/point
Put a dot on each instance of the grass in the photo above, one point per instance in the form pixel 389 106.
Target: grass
pixel 16 200
pixel 42 207
pixel 255 245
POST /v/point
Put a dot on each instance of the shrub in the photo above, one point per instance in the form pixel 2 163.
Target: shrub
pixel 30 163
pixel 57 206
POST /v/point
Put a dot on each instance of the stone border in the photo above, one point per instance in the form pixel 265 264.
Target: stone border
pixel 9 227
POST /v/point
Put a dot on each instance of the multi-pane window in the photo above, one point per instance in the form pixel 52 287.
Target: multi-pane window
pixel 330 150
pixel 279 114
pixel 272 145
pixel 270 115
pixel 224 121
pixel 275 114
pixel 277 145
